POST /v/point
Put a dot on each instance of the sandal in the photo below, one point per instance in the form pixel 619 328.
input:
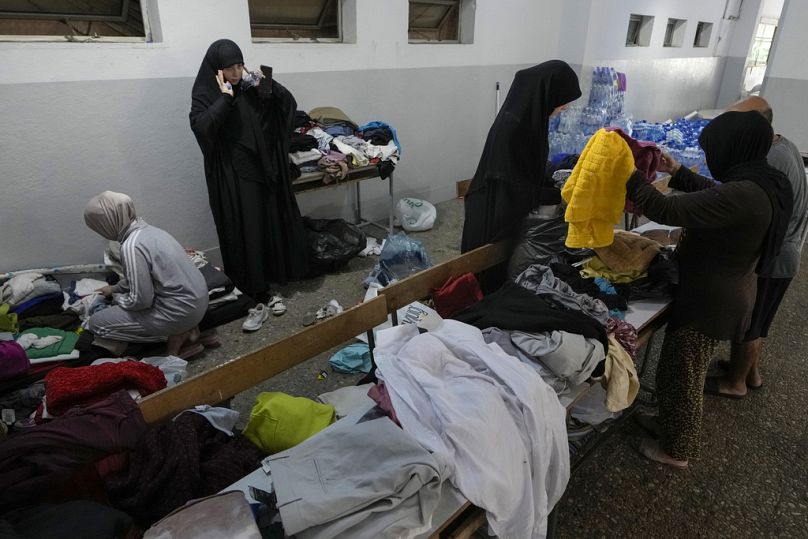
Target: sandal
pixel 276 305
pixel 209 338
pixel 651 450
pixel 190 350
pixel 328 310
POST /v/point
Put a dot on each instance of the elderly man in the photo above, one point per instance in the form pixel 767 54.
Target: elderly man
pixel 743 369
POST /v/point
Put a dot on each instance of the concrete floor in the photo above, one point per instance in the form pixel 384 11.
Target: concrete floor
pixel 752 479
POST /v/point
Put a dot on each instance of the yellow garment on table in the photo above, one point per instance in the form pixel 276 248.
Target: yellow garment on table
pixel 279 421
pixel 8 321
pixel 629 252
pixel 594 267
pixel 596 191
pixel 619 377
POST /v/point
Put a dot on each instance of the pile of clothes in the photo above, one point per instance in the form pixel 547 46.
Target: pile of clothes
pixel 98 445
pixel 327 140
pixel 102 448
pixel 43 335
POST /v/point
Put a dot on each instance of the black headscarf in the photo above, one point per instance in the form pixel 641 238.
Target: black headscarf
pixel 517 148
pixel 221 53
pixel 735 145
pixel 245 128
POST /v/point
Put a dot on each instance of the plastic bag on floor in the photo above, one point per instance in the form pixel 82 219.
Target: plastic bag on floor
pixel 415 215
pixel 332 243
pixel 401 257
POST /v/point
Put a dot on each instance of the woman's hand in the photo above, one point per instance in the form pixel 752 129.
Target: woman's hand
pixel 224 87
pixel 668 164
pixel 105 290
pixel 252 77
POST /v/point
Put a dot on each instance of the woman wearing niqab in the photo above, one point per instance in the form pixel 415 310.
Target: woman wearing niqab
pixel 244 137
pixel 509 180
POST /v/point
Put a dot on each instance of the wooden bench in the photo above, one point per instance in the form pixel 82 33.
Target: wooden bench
pixel 227 380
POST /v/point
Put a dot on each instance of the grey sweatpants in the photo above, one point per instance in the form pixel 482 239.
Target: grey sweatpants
pixel 369 479
pixel 117 324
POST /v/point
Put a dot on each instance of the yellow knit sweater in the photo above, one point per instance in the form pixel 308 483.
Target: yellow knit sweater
pixel 596 191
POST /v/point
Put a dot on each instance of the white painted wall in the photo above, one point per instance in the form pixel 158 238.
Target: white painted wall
pixel 771 9
pixel 79 118
pixel 608 22
pixel 506 32
pixel 82 117
pixel 786 82
pixel 663 82
pixel 788 60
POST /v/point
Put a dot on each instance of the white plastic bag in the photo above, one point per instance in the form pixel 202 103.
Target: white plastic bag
pixel 415 215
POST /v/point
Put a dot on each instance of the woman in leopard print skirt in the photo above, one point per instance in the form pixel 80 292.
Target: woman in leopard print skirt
pixel 732 230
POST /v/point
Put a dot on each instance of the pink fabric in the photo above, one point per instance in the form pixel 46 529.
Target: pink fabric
pixel 625 334
pixel 382 398
pixel 646 158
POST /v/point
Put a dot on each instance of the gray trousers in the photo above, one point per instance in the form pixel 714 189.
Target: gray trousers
pixel 117 325
pixel 369 479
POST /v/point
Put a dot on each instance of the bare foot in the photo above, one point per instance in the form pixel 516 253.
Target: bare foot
pixel 651 450
pixel 754 379
pixel 729 387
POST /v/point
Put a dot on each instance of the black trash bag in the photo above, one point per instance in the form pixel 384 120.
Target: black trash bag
pixel 332 243
pixel 542 242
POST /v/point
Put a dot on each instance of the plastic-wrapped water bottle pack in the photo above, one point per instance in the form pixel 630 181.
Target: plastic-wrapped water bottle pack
pixel 570 130
pixel 679 138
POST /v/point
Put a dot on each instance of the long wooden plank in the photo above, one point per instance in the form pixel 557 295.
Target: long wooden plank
pixel 421 284
pixel 237 375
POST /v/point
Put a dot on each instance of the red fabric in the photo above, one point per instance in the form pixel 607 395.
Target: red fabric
pixel 381 397
pixel 66 387
pixel 646 158
pixel 456 294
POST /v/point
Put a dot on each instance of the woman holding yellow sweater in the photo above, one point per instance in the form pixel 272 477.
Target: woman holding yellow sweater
pixel 732 230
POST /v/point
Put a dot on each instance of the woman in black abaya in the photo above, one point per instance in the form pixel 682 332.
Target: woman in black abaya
pixel 509 178
pixel 243 131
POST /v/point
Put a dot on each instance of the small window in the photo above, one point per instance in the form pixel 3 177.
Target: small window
pixel 434 20
pixel 80 20
pixel 639 30
pixel 675 33
pixel 294 20
pixel 703 32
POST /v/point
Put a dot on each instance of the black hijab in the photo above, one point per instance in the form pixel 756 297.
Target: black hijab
pixel 250 128
pixel 735 145
pixel 221 53
pixel 516 149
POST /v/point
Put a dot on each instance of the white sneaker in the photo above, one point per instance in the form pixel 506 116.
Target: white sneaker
pixel 258 315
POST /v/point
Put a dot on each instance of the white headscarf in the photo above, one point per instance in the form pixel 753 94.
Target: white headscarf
pixel 110 214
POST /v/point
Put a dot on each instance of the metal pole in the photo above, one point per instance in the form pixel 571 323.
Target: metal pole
pixel 392 203
pixel 358 204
